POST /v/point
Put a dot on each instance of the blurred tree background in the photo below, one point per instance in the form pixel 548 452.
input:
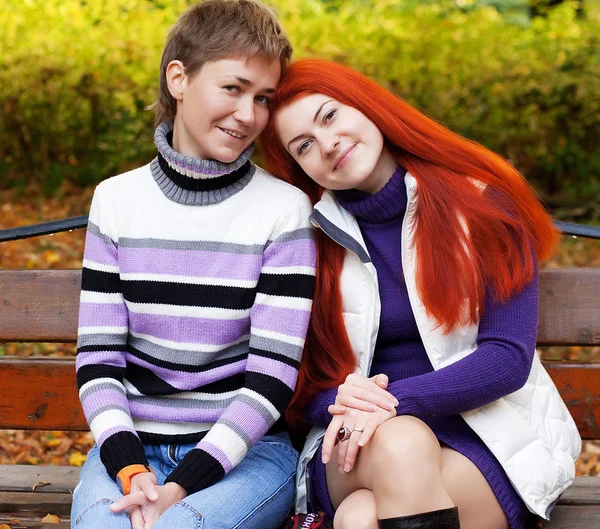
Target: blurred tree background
pixel 520 76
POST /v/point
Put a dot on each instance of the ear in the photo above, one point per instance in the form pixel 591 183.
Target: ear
pixel 176 79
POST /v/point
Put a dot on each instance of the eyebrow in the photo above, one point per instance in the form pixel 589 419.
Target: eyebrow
pixel 247 82
pixel 314 119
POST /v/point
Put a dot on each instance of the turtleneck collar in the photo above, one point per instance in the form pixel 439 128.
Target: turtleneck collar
pixel 387 204
pixel 192 181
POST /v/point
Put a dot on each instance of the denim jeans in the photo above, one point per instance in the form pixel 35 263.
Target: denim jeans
pixel 256 494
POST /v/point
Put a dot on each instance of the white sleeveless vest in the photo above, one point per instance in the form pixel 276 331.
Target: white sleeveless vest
pixel 530 431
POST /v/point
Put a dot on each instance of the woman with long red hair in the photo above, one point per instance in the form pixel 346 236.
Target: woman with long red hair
pixel 429 405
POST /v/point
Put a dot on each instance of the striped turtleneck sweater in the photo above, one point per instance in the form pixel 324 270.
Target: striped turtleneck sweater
pixel 196 294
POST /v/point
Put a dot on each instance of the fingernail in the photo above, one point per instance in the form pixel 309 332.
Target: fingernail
pixel 347 467
pixel 372 407
pixel 392 404
pixel 361 442
pixel 325 459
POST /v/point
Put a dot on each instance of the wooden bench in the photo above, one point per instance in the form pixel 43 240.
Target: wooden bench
pixel 40 393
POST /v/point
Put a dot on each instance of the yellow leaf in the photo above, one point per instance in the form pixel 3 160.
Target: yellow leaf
pixel 53 442
pixel 51 257
pixel 77 459
pixel 4 526
pixel 50 518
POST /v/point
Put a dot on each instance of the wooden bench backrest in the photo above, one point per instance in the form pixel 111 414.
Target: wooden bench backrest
pixel 42 306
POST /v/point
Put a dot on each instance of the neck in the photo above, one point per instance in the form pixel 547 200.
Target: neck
pixel 383 171
pixel 193 181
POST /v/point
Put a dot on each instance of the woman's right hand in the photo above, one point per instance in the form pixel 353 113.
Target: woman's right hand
pixel 143 490
pixel 361 426
pixel 361 393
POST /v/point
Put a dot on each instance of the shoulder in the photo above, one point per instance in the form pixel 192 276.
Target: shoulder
pixel 124 183
pixel 269 186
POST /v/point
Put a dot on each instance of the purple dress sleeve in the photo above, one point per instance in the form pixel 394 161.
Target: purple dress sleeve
pixel 499 366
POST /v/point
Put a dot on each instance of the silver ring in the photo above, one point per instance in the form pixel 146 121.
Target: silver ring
pixel 344 434
pixel 358 430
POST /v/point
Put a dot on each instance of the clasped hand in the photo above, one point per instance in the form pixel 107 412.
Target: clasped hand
pixel 147 500
pixel 361 405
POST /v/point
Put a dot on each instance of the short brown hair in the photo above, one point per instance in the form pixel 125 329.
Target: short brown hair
pixel 212 30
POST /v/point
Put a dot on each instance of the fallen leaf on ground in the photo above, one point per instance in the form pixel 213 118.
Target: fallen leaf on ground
pixel 49 518
pixel 77 459
pixel 4 526
pixel 40 484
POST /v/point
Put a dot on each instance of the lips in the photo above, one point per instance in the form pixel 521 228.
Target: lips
pixel 233 133
pixel 345 157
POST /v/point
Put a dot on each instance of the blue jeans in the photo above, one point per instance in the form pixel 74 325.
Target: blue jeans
pixel 256 494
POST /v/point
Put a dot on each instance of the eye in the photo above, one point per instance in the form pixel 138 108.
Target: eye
pixel 303 146
pixel 233 89
pixel 329 116
pixel 263 100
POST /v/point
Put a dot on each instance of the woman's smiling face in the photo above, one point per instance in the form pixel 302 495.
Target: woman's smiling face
pixel 335 144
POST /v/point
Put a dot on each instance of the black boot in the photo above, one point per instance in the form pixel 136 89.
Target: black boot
pixel 442 519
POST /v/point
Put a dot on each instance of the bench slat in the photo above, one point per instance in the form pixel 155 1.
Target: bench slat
pixel 62 479
pixel 43 305
pixel 577 507
pixel 39 305
pixel 43 394
pixel 574 517
pixel 584 491
pixel 41 503
pixel 579 386
pixel 22 478
pixel 569 309
pixel 26 522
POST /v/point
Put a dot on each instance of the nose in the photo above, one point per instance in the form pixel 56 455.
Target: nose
pixel 329 141
pixel 244 112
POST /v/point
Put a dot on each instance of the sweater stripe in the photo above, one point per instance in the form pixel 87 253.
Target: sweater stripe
pixel 194 263
pixel 196 367
pixel 188 294
pixel 267 366
pixel 187 381
pixel 186 329
pixel 191 245
pixel 188 346
pixel 179 359
pixel 100 281
pixel 291 285
pixel 292 322
pixel 99 249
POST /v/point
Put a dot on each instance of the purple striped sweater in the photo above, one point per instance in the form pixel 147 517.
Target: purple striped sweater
pixel 196 294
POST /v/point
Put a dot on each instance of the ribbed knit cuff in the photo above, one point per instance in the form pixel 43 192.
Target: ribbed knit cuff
pixel 120 450
pixel 198 470
pixel 316 412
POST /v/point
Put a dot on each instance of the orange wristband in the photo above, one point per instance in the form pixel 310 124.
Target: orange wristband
pixel 126 474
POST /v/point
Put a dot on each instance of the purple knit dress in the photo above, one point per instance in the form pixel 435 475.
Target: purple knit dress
pixel 499 366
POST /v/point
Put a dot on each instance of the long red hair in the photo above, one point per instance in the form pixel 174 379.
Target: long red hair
pixel 456 263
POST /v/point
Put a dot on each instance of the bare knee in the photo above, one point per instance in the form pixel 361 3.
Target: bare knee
pixel 401 451
pixel 404 441
pixel 357 511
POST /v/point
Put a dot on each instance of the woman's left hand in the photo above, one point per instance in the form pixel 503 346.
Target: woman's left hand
pixel 168 495
pixel 362 425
